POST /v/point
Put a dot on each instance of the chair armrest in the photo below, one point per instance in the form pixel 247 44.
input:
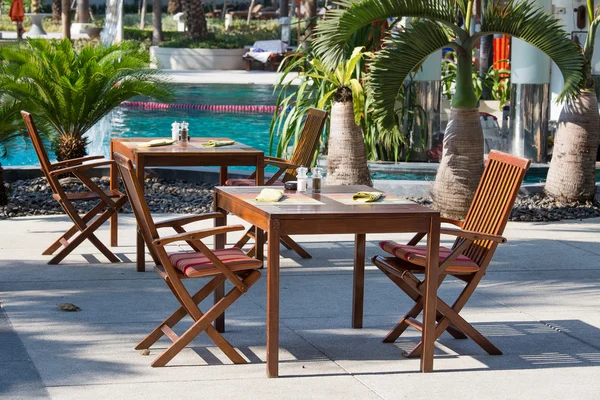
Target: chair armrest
pixel 454 222
pixel 81 167
pixel 279 162
pixel 74 161
pixel 472 236
pixel 181 221
pixel 197 235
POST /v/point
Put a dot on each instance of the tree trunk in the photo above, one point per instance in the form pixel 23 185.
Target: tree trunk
pixel 56 9
pixel 310 20
pixel 143 15
pixel 194 19
pixel 157 32
pixel 83 11
pixel 346 158
pixel 35 6
pixel 250 11
pixel 461 165
pixel 66 19
pixel 68 147
pixel 572 173
pixel 174 7
pixel 3 194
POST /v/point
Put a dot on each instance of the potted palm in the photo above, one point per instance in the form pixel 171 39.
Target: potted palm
pixel 440 25
pixel 572 172
pixel 69 91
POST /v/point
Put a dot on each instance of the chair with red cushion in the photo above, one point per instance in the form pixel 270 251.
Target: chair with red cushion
pixel 467 260
pixel 304 154
pixel 229 264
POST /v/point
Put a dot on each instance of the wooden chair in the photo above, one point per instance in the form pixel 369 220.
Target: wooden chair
pixel 303 155
pixel 109 202
pixel 468 259
pixel 220 265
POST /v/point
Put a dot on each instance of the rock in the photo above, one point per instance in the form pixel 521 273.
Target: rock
pixel 70 307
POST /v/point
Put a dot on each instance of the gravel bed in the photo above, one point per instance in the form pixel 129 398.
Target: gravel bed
pixel 34 197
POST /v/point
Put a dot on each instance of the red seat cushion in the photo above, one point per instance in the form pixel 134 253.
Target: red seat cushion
pixel 247 182
pixel 194 263
pixel 418 255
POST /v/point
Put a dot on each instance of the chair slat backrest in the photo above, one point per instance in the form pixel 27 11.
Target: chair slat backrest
pixel 308 142
pixel 493 202
pixel 137 200
pixel 38 145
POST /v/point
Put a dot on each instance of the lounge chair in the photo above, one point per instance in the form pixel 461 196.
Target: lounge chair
pixel 268 53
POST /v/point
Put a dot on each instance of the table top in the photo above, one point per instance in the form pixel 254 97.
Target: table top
pixel 333 201
pixel 192 148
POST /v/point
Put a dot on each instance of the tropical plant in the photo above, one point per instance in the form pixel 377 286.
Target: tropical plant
pixel 10 131
pixel 69 91
pixel 498 82
pixel 438 27
pixel 572 172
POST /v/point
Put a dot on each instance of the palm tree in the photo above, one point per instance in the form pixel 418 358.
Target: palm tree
pixel 157 32
pixel 572 173
pixel 70 91
pixel 437 26
pixel 56 10
pixel 10 130
pixel 195 20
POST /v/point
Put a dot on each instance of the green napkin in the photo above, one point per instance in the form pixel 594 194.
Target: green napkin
pixel 367 197
pixel 158 142
pixel 270 195
pixel 218 143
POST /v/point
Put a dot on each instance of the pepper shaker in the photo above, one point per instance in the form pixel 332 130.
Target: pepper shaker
pixel 317 179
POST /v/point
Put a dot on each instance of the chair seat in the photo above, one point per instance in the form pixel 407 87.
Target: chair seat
pixel 417 255
pixel 195 264
pixel 87 196
pixel 247 182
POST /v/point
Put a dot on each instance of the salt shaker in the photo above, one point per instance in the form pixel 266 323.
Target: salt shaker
pixel 317 179
pixel 301 178
pixel 175 131
pixel 184 137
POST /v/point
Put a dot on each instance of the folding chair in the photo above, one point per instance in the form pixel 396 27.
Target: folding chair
pixel 230 264
pixel 468 258
pixel 109 202
pixel 303 155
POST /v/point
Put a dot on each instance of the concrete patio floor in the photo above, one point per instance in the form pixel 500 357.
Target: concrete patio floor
pixel 539 303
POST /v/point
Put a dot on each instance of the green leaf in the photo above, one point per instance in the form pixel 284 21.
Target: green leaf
pixel 358 100
pixel 324 98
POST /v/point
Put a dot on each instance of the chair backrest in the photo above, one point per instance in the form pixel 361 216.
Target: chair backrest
pixel 137 200
pixel 38 145
pixel 308 142
pixel 493 202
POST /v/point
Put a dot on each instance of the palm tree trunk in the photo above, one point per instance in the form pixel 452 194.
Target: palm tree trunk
pixel 461 165
pixel 346 158
pixel 56 9
pixel 66 19
pixel 195 19
pixel 143 15
pixel 83 11
pixel 157 32
pixel 572 173
pixel 250 11
pixel 309 23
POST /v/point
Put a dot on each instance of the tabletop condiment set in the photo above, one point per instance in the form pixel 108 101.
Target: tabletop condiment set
pixel 302 178
pixel 180 132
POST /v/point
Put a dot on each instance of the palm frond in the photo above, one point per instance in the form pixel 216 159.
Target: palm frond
pixel 333 33
pixel 11 125
pixel 401 55
pixel 530 23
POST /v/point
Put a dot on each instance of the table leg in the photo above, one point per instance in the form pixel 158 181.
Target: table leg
pixel 220 241
pixel 223 175
pixel 431 286
pixel 358 280
pixel 114 185
pixel 140 244
pixel 260 171
pixel 259 243
pixel 273 299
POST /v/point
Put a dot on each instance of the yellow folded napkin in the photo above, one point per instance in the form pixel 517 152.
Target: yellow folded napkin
pixel 367 197
pixel 270 195
pixel 218 143
pixel 158 142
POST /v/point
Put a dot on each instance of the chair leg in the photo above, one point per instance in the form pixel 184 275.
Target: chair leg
pixel 204 322
pixel 288 241
pixel 240 243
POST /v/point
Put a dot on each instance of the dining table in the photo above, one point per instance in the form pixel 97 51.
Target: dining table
pixel 195 152
pixel 333 211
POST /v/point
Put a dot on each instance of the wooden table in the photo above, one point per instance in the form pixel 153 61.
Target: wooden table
pixel 190 154
pixel 333 217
